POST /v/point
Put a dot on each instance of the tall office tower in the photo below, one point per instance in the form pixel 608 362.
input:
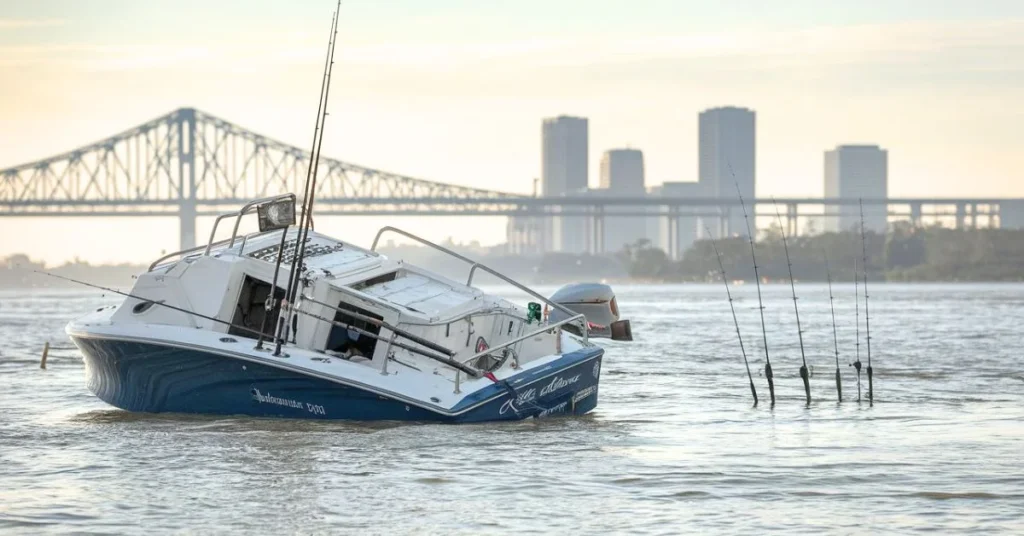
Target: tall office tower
pixel 727 158
pixel 564 173
pixel 856 172
pixel 622 170
pixel 622 175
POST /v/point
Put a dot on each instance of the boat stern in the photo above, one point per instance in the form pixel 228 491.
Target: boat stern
pixel 566 386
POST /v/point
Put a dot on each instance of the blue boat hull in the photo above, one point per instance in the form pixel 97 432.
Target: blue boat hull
pixel 156 378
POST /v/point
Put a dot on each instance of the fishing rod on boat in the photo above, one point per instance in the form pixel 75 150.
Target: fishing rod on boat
pixel 147 300
pixel 473 373
pixel 721 268
pixel 309 188
pixel 856 316
pixel 760 303
pixel 804 375
pixel 271 297
pixel 867 315
pixel 381 324
pixel 835 335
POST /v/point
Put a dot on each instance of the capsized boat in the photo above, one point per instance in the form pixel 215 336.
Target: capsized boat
pixel 208 331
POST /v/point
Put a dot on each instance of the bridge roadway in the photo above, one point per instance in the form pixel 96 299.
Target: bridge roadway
pixel 188 163
pixel 966 211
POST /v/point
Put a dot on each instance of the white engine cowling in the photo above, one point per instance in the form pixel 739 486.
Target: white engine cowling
pixel 597 303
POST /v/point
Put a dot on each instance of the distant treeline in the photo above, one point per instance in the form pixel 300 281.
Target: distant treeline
pixel 904 254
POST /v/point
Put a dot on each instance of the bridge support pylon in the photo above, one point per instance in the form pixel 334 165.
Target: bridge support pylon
pixel 186 123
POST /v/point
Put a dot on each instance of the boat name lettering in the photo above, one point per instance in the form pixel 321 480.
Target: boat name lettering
pixel 558 383
pixel 287 402
pixel 584 393
pixel 521 398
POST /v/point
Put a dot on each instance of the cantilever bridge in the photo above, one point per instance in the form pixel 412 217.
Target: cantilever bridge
pixel 188 164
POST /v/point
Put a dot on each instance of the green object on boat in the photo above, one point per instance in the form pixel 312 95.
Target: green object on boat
pixel 533 312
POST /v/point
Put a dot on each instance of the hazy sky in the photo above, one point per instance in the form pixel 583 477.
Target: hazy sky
pixel 454 90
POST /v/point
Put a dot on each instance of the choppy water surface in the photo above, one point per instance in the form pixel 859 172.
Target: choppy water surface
pixel 674 445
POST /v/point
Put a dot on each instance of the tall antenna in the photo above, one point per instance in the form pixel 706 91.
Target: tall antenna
pixel 760 303
pixel 835 335
pixel 856 298
pixel 800 333
pixel 309 188
pixel 732 308
pixel 867 316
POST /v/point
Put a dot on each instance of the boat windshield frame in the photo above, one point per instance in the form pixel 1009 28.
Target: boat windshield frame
pixel 248 208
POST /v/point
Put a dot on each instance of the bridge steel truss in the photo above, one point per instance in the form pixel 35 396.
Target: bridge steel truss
pixel 188 163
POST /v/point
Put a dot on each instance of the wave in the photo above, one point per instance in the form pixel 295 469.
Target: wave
pixel 947 495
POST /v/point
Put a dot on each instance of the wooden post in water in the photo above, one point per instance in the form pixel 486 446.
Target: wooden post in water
pixel 46 353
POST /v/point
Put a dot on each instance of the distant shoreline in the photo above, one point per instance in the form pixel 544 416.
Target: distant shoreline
pixel 905 255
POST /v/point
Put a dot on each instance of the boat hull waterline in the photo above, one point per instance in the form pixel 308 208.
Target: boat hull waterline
pixel 148 376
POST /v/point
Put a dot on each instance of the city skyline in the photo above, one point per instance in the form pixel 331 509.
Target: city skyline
pixel 452 91
pixel 727 166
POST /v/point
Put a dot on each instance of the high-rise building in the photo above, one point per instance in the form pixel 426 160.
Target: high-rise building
pixel 622 175
pixel 622 170
pixel 564 173
pixel 728 157
pixel 856 172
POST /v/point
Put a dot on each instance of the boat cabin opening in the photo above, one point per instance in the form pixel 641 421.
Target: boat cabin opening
pixel 350 341
pixel 251 308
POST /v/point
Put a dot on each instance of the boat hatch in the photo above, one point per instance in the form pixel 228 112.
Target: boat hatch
pixel 383 278
pixel 251 310
pixel 421 294
pixel 349 342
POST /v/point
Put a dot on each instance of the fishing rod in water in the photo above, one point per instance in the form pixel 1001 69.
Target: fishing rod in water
pixel 760 303
pixel 856 315
pixel 804 374
pixel 732 308
pixel 867 315
pixel 835 335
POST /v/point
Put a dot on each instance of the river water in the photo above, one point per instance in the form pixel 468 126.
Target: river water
pixel 674 445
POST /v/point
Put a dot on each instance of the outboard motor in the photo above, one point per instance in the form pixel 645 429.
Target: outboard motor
pixel 597 303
